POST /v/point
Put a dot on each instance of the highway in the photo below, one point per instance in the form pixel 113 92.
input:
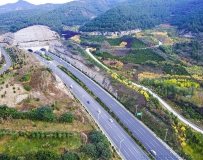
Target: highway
pixel 167 106
pixel 146 137
pixel 8 62
pixel 120 139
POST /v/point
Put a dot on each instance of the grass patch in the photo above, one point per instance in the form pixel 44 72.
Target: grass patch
pixel 194 154
pixel 140 56
pixel 6 77
pixel 114 41
pixel 107 55
pixel 133 43
pixel 47 57
pixel 174 70
pixel 23 145
pixel 93 38
pixel 29 125
pixel 111 41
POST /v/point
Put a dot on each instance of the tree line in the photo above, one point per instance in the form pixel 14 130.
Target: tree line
pixel 43 113
pixel 140 14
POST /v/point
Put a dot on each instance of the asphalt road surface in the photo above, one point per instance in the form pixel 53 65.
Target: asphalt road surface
pixel 8 61
pixel 121 140
pixel 146 137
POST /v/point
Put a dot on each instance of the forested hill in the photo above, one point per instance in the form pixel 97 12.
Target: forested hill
pixel 9 20
pixel 189 16
pixel 23 5
pixel 70 14
pixel 143 14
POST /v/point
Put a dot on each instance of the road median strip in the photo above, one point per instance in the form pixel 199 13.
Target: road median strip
pixel 106 108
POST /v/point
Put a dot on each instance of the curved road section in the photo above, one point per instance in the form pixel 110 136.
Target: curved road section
pixel 192 125
pixel 123 143
pixel 8 62
pixel 146 137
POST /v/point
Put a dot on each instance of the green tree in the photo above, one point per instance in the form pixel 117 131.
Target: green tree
pixel 47 155
pixel 67 117
pixel 106 154
pixel 4 157
pixel 30 156
pixel 97 137
pixel 91 151
pixel 45 114
pixel 70 156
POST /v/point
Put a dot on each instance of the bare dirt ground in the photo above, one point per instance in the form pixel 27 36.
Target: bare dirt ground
pixel 118 90
pixel 46 90
pixel 14 93
pixel 80 63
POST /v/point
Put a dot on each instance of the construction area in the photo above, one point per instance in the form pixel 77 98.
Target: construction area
pixel 34 38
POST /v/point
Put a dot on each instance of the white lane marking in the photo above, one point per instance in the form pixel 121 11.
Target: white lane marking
pixel 110 126
pixel 138 131
pixel 115 105
pixel 125 121
pixel 106 127
pixel 156 143
pixel 116 139
pixel 119 137
pixel 152 144
pixel 126 153
pixel 143 130
pixel 120 112
pixel 133 151
pixel 148 145
pixel 128 121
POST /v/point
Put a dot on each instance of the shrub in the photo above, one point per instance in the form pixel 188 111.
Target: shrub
pixel 70 156
pixel 30 156
pixel 67 117
pixel 27 88
pixel 45 114
pixel 47 155
pixel 25 78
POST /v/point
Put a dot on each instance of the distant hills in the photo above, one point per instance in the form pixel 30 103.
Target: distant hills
pixel 105 15
pixel 69 14
pixel 189 16
pixel 23 5
pixel 146 14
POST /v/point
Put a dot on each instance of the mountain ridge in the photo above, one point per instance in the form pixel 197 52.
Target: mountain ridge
pixel 69 14
pixel 147 14
pixel 24 5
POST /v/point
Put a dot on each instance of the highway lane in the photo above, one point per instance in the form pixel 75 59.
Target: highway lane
pixel 8 61
pixel 121 140
pixel 146 137
pixel 167 106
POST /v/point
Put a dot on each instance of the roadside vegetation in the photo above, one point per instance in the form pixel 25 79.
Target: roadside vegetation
pixel 52 128
pixel 2 61
pixel 16 142
pixel 176 80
